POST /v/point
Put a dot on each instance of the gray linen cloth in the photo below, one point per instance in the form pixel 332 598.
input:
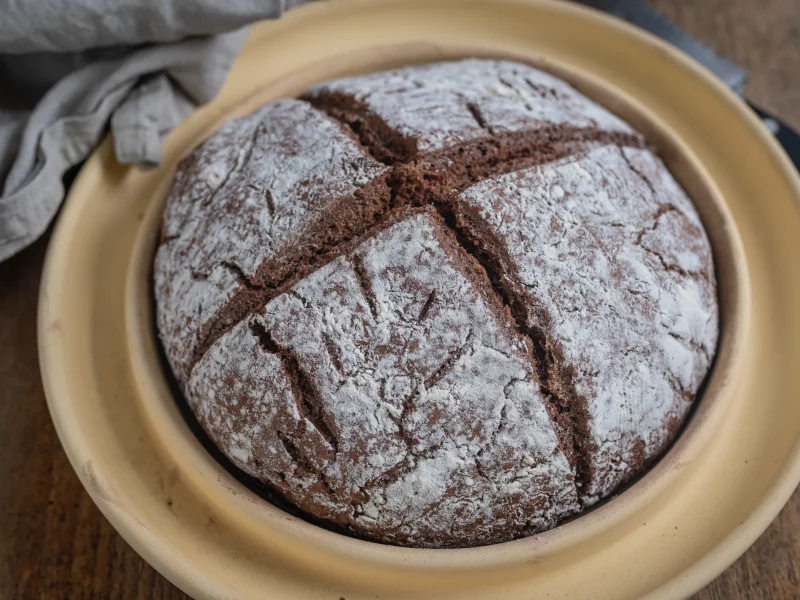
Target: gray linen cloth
pixel 70 68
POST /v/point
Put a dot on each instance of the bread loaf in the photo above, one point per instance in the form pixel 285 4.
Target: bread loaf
pixel 443 306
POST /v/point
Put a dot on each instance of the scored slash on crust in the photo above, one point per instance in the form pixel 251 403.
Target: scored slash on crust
pixel 309 405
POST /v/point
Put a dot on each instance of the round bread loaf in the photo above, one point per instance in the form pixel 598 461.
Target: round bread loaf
pixel 443 306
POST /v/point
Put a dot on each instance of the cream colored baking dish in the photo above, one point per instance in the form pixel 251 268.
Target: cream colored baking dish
pixel 667 535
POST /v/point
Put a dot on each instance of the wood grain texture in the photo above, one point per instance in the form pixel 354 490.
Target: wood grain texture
pixel 55 544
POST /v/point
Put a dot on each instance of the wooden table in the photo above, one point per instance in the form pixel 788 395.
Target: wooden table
pixel 54 543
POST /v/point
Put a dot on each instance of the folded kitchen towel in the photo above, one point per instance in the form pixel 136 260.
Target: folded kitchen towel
pixel 69 69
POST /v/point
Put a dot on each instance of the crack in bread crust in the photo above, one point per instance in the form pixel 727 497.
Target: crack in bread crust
pixel 416 184
pixel 309 405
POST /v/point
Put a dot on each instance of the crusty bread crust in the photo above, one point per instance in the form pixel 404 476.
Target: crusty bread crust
pixel 443 306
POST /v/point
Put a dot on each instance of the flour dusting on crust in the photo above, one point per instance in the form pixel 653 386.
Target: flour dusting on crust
pixel 434 419
pixel 445 104
pixel 624 272
pixel 456 308
pixel 240 198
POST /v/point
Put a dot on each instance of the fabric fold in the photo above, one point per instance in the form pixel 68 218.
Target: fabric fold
pixel 136 66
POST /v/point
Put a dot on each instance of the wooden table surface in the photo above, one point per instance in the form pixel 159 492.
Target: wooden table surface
pixel 55 544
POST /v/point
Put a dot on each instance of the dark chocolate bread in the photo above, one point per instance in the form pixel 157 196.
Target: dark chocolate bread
pixel 443 306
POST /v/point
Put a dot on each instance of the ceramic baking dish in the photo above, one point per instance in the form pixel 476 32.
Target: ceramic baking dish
pixel 667 535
